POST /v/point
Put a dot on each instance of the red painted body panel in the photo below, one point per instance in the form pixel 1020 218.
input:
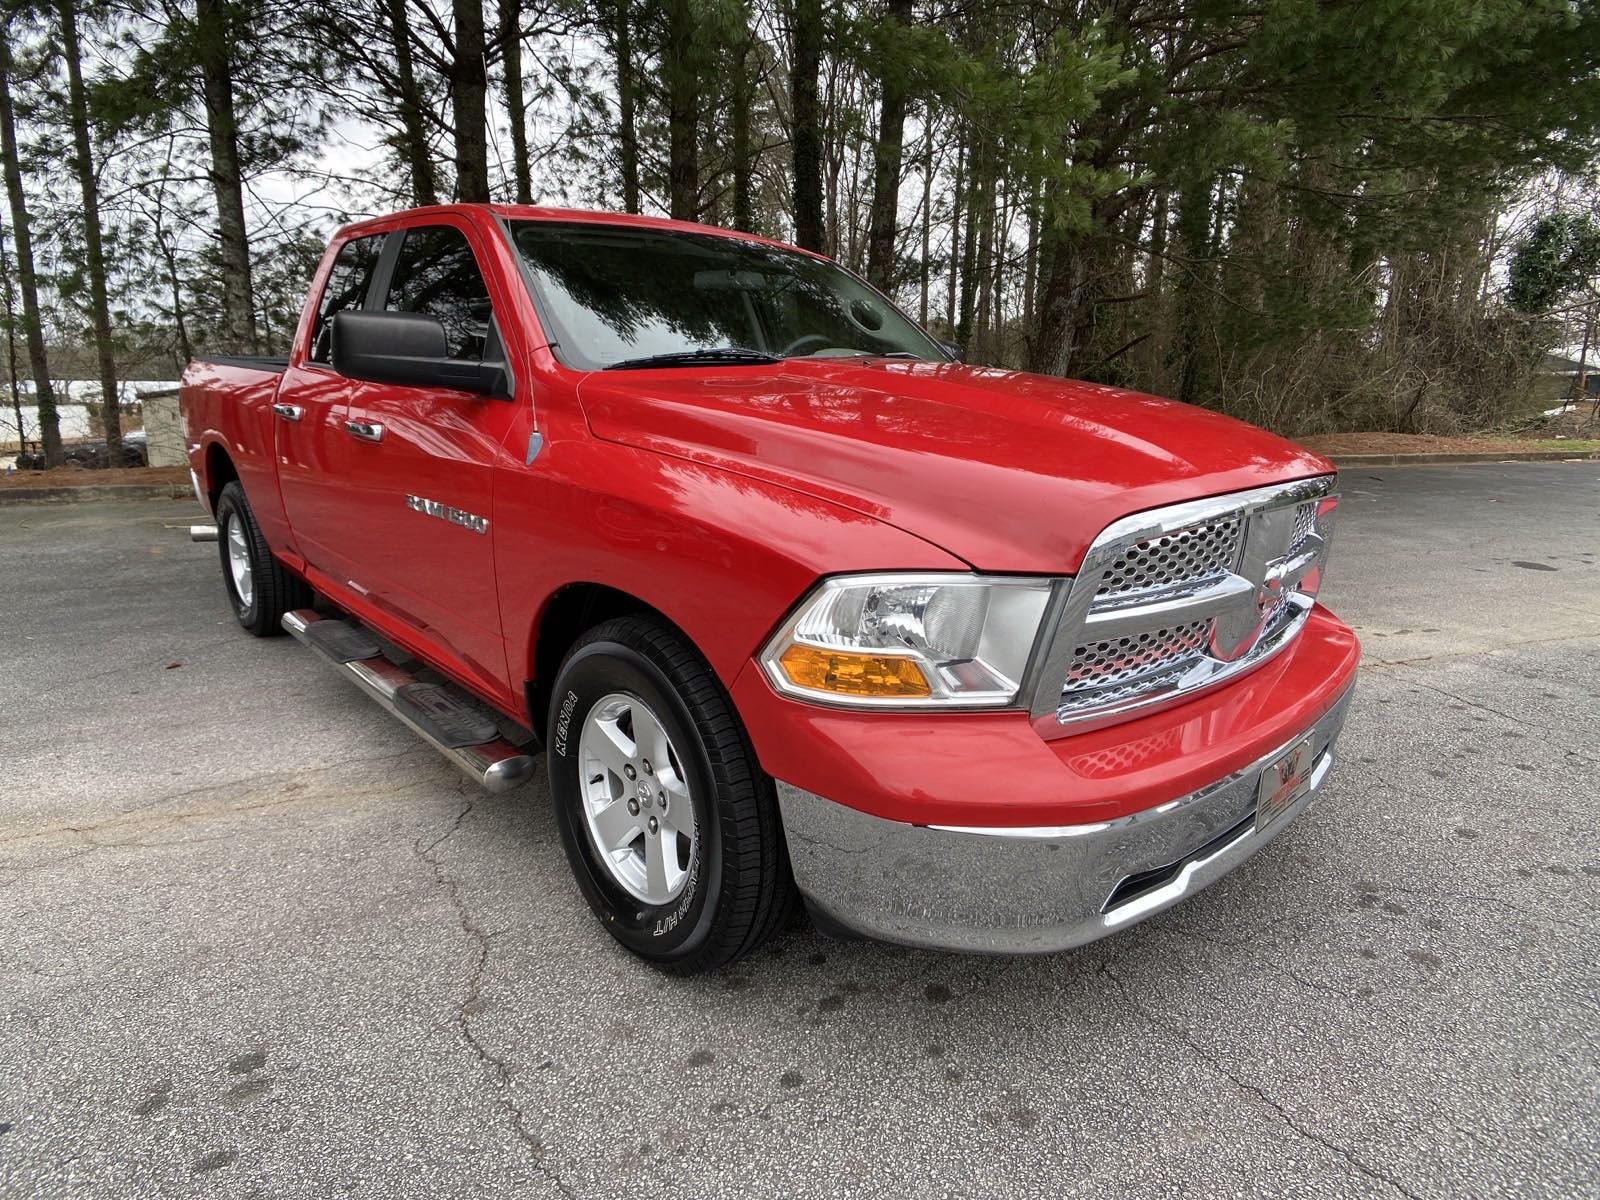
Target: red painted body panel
pixel 229 409
pixel 992 769
pixel 311 455
pixel 722 556
pixel 719 496
pixel 1040 465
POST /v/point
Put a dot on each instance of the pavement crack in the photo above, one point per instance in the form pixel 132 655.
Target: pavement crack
pixel 1251 1089
pixel 498 1069
pixel 1479 706
pixel 1476 705
pixel 1476 652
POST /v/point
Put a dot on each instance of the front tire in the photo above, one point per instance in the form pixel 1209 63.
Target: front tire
pixel 668 821
pixel 260 588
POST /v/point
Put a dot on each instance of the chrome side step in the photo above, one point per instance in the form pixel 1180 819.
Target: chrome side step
pixel 431 711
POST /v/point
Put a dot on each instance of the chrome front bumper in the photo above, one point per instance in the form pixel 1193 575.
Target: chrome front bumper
pixel 1016 891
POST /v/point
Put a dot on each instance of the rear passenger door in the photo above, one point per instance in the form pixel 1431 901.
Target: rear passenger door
pixel 308 432
pixel 421 465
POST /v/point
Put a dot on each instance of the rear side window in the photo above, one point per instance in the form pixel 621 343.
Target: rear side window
pixel 437 274
pixel 346 288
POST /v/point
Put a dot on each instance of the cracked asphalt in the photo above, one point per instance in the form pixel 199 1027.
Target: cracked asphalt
pixel 259 941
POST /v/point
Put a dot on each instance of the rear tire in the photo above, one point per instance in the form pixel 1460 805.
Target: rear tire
pixel 260 588
pixel 637 718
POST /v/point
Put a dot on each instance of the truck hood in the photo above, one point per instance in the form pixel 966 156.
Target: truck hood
pixel 1011 472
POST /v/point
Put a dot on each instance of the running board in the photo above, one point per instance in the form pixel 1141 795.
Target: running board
pixel 434 713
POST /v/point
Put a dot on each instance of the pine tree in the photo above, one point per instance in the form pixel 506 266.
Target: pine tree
pixel 94 254
pixel 22 244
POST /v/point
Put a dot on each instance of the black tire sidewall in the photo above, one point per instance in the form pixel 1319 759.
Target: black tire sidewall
pixel 662 933
pixel 231 503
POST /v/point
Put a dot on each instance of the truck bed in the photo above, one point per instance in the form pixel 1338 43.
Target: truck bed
pixel 227 402
pixel 254 362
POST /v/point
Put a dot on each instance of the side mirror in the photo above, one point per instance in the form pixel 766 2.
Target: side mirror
pixel 953 349
pixel 409 349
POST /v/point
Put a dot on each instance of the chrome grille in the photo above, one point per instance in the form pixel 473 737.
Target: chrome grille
pixel 1185 556
pixel 1116 660
pixel 1305 520
pixel 1183 597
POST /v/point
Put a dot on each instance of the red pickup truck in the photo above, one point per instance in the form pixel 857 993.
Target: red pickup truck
pixel 800 607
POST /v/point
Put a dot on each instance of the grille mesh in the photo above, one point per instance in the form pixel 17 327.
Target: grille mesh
pixel 1184 556
pixel 1096 664
pixel 1110 696
pixel 1305 518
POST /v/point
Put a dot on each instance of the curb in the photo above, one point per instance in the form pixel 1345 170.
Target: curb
pixel 94 491
pixel 1424 460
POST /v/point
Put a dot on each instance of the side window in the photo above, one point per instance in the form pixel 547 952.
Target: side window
pixel 346 288
pixel 437 274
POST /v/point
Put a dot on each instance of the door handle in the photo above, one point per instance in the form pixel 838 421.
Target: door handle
pixel 367 431
pixel 289 412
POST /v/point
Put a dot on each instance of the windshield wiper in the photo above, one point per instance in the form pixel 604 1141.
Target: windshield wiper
pixel 706 355
pixel 852 352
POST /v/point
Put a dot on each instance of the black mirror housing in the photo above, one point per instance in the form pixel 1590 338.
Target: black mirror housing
pixel 409 349
pixel 955 350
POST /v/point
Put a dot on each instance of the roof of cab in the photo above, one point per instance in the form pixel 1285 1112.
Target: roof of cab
pixel 532 212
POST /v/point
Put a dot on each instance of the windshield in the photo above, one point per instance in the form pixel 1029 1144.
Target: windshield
pixel 620 296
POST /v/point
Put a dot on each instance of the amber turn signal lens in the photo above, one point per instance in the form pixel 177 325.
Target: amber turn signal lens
pixel 848 673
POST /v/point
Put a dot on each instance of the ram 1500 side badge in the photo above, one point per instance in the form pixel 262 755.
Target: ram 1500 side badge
pixel 432 508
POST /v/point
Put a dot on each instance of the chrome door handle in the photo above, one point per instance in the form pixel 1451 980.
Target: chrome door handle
pixel 289 412
pixel 367 431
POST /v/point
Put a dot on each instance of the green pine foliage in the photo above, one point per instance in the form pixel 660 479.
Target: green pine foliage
pixel 1312 215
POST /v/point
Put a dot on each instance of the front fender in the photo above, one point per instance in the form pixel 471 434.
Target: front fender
pixel 721 555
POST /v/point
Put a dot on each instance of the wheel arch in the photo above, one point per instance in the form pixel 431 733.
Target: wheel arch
pixel 570 612
pixel 220 471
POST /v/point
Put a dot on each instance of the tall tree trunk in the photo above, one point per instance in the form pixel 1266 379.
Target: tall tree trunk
pixel 977 175
pixel 213 42
pixel 516 106
pixel 1030 267
pixel 469 89
pixel 887 150
pixel 806 116
pixel 1155 282
pixel 1062 290
pixel 414 138
pixel 175 288
pixel 682 70
pixel 93 253
pixel 11 347
pixel 925 270
pixel 983 314
pixel 1193 230
pixel 957 193
pixel 743 162
pixel 627 92
pixel 1580 380
pixel 43 396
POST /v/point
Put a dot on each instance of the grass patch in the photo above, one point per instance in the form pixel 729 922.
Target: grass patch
pixel 1570 445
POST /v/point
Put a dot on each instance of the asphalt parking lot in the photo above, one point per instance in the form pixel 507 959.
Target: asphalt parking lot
pixel 259 941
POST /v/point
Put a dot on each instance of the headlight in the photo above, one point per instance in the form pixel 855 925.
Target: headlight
pixel 920 641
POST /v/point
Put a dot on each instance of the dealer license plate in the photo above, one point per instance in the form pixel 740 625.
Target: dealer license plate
pixel 1284 780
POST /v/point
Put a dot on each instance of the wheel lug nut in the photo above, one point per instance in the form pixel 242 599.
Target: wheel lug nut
pixel 630 772
pixel 662 800
pixel 646 765
pixel 633 808
pixel 654 825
